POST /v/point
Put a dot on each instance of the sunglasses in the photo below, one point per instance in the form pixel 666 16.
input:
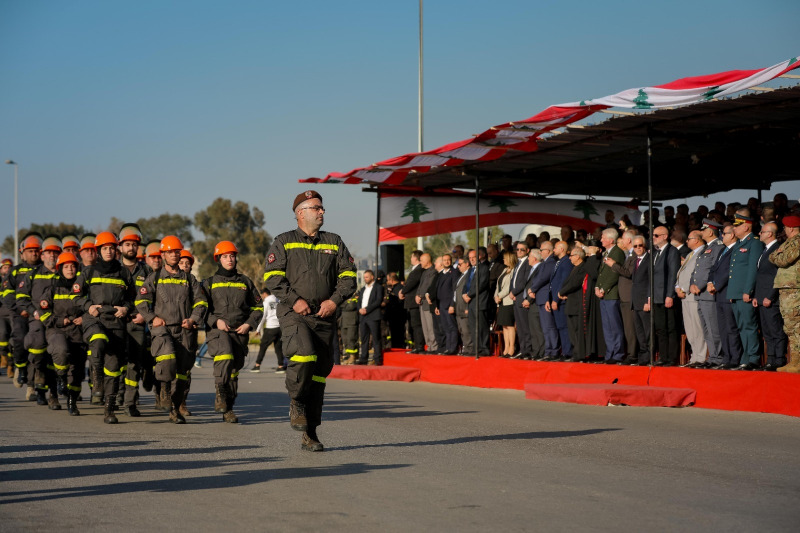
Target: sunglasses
pixel 638 245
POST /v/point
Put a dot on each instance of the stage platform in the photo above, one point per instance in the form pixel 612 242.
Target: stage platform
pixel 375 373
pixel 766 392
pixel 615 394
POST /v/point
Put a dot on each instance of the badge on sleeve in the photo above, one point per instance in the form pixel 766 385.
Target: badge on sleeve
pixel 743 250
pixel 44 304
pixel 76 288
pixel 21 284
pixel 352 261
pixel 271 258
pixel 143 290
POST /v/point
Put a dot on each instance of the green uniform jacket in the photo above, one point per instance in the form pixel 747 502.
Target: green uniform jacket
pixel 744 267
pixel 607 278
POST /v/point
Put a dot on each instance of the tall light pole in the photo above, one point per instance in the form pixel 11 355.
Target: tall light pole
pixel 16 219
pixel 419 107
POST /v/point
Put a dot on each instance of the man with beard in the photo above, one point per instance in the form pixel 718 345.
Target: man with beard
pixel 31 248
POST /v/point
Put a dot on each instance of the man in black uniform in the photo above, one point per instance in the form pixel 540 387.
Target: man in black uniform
pixel 311 272
pixel 172 302
pixel 234 309
pixel 6 314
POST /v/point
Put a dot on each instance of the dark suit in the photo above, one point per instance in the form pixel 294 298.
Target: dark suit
pixel 480 281
pixel 519 279
pixel 625 271
pixel 371 324
pixel 771 320
pixel 396 317
pixel 572 289
pixel 409 291
pixel 719 275
pixel 665 273
pixel 446 286
pixel 540 286
pixel 561 271
pixel 640 294
pixel 534 323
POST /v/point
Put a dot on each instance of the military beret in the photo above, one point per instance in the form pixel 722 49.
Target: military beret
pixel 791 221
pixel 303 196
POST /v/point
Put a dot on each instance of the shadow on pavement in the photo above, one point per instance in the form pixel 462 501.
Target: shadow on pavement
pixel 118 454
pixel 72 446
pixel 225 480
pixel 483 438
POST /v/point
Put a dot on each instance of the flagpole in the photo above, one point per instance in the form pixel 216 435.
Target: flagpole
pixel 477 264
pixel 652 257
pixel 419 100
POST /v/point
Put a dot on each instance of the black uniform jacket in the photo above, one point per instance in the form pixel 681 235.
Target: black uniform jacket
pixel 109 285
pixel 171 297
pixel 234 299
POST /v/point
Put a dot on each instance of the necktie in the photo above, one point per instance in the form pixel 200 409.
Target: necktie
pixel 469 280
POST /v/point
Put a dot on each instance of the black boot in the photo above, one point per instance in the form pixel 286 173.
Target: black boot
pixel 61 386
pixel 41 398
pixel 72 403
pixel 108 412
pixel 229 416
pixel 97 386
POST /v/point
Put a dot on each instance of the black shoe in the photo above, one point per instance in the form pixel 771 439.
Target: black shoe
pixel 131 410
pixel 748 366
pixel 516 356
pixel 769 367
pixel 729 366
pixel 359 362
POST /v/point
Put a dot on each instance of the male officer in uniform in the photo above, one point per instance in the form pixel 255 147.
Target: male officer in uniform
pixel 787 281
pixel 311 272
pixel 31 248
pixel 742 285
pixel 706 307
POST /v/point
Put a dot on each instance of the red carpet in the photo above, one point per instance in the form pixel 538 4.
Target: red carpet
pixel 766 392
pixel 601 394
pixel 375 373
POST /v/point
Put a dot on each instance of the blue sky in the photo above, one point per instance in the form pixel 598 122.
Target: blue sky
pixel 138 108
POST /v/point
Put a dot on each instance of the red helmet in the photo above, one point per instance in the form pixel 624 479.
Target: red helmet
pixel 7 261
pixel 66 257
pixel 70 241
pixel 130 232
pixel 188 255
pixel 224 247
pixel 51 243
pixel 153 248
pixel 104 238
pixel 87 242
pixel 171 242
pixel 32 240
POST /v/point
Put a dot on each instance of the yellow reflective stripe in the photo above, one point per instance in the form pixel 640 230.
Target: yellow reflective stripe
pixel 183 377
pixel 123 368
pixel 43 276
pixel 234 375
pixel 20 295
pixel 318 379
pixel 351 351
pixel 303 358
pixel 228 284
pixel 6 292
pixel 37 350
pixel 45 316
pixel 268 275
pixel 165 357
pixel 88 352
pixel 172 281
pixel 64 296
pixel 100 336
pixel 131 383
pixel 59 367
pixel 74 388
pixel 3 343
pixel 20 365
pixel 112 374
pixel 307 246
pixel 139 282
pixel 107 281
pixel 257 308
pixel 137 302
pixel 223 357
pixel 347 274
pixel 201 302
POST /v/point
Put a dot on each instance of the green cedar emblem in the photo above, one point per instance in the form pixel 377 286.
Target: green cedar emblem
pixel 586 208
pixel 502 203
pixel 415 209
pixel 641 101
pixel 711 93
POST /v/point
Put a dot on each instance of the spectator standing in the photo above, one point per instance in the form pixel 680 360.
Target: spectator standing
pixel 766 300
pixel 505 312
pixel 408 295
pixel 689 307
pixel 787 281
pixel 665 271
pixel 270 330
pixel 607 290
pixel 519 279
pixel 706 306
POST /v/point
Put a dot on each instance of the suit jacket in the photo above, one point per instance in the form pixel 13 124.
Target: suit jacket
pixel 540 283
pixel 496 269
pixel 686 271
pixel 425 286
pixel 433 290
pixel 720 275
pixel 607 277
pixel 765 277
pixel 744 266
pixel 625 283
pixel 410 288
pixel 532 273
pixel 446 286
pixel 518 284
pixel 702 268
pixel 480 281
pixel 459 304
pixel 665 273
pixel 561 272
pixel 374 302
pixel 640 282
pixel 684 250
pixel 572 288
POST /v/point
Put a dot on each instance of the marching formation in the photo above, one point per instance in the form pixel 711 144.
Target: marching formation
pixel 132 312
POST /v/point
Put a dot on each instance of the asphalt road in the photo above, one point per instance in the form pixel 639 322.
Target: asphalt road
pixel 399 457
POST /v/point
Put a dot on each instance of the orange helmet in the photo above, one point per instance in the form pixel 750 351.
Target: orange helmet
pixel 51 243
pixel 171 242
pixel 66 257
pixel 7 261
pixel 140 255
pixel 224 247
pixel 188 255
pixel 31 240
pixel 153 248
pixel 87 241
pixel 130 232
pixel 70 241
pixel 104 238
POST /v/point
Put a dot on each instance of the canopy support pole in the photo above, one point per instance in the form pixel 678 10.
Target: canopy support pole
pixel 377 233
pixel 650 246
pixel 477 264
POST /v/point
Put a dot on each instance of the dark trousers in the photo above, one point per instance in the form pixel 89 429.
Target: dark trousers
pixel 523 330
pixel 626 311
pixel 613 329
pixel 747 324
pixel 270 336
pixel 641 322
pixel 5 331
pixel 575 329
pixel 109 350
pixel 560 318
pixel 483 327
pixel 173 349
pixel 549 330
pixel 772 329
pixel 449 330
pixel 19 328
pixel 371 328
pixel 438 330
pixel 729 334
pixel 69 357
pixel 397 328
pixel 667 341
pixel 137 352
pixel 535 327
pixel 415 322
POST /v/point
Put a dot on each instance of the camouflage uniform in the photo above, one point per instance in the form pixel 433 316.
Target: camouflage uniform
pixel 787 281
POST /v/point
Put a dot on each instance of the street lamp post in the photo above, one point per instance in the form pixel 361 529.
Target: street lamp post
pixel 16 219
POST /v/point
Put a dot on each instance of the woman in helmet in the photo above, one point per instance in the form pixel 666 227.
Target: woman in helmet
pixel 234 309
